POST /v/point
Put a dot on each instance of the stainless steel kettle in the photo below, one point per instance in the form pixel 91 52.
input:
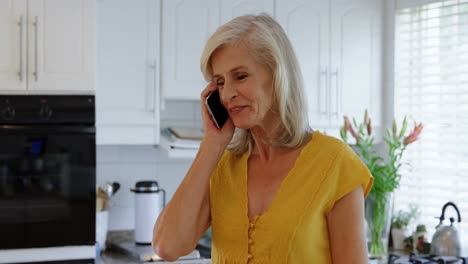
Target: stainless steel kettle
pixel 446 239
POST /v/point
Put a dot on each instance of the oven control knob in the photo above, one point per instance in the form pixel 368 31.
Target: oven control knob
pixel 45 112
pixel 8 113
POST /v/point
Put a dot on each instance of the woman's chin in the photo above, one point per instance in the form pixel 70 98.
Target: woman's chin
pixel 241 124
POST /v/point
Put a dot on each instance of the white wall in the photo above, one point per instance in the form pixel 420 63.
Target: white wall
pixel 388 67
pixel 129 164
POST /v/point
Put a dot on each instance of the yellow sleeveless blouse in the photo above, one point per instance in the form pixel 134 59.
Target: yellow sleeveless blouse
pixel 294 228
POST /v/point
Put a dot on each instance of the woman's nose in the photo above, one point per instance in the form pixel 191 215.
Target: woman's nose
pixel 228 92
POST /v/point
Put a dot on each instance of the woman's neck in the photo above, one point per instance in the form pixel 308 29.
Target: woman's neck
pixel 263 143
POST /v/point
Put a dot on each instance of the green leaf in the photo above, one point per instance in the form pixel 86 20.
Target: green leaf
pixel 403 128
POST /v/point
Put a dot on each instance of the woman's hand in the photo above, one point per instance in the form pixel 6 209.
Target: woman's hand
pixel 213 135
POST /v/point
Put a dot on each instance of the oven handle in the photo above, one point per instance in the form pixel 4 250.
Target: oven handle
pixel 49 129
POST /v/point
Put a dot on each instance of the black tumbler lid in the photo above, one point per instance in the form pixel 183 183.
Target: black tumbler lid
pixel 146 186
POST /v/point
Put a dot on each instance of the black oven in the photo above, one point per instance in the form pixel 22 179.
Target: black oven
pixel 47 171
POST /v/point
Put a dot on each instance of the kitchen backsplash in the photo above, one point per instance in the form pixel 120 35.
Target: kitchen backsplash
pixel 129 164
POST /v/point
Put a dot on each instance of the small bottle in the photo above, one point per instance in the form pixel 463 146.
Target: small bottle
pixel 420 239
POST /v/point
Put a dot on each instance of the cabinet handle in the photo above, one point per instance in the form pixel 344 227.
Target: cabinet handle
pixel 35 24
pixel 335 77
pixel 150 99
pixel 162 102
pixel 20 25
pixel 323 91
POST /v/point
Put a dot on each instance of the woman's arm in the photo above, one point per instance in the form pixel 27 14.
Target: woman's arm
pixel 346 229
pixel 187 216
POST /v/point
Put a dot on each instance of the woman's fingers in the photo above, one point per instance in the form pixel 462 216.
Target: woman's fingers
pixel 208 89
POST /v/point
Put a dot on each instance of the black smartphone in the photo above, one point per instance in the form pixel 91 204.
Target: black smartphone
pixel 217 111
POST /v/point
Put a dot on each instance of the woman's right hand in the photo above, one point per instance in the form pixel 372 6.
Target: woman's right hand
pixel 213 135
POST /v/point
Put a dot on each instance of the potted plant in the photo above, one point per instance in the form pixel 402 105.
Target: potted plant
pixel 400 222
pixel 384 169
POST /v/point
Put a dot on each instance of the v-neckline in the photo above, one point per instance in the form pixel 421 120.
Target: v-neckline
pixel 284 182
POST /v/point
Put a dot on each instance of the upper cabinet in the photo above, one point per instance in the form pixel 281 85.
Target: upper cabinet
pixel 338 45
pixel 49 47
pixel 186 26
pixel 356 59
pixel 337 42
pixel 234 8
pixel 307 25
pixel 128 94
pixel 13 45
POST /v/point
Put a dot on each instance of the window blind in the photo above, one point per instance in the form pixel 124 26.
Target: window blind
pixel 431 86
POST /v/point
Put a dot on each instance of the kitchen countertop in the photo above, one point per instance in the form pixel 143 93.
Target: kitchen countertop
pixel 404 255
pixel 111 255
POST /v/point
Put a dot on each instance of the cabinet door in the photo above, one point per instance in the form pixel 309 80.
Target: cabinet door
pixel 234 8
pixel 61 45
pixel 13 22
pixel 356 32
pixel 306 24
pixel 127 92
pixel 186 26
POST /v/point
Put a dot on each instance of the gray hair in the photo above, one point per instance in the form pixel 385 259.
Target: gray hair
pixel 270 46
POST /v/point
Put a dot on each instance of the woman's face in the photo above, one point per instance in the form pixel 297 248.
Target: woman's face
pixel 245 86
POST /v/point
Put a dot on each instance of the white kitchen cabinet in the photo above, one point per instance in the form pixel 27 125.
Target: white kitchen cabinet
pixel 234 8
pixel 186 26
pixel 48 46
pixel 338 45
pixel 356 59
pixel 307 25
pixel 127 94
pixel 12 45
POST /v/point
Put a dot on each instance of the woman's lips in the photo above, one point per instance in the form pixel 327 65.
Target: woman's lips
pixel 236 109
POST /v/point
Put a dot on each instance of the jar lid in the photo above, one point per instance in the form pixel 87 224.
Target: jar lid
pixel 146 186
pixel 421 228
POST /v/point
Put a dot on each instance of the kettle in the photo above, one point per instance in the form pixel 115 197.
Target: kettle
pixel 446 239
pixel 149 202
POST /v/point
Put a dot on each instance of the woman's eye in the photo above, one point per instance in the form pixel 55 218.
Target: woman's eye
pixel 242 76
pixel 219 83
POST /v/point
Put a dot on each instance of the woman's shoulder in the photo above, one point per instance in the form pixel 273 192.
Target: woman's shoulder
pixel 330 141
pixel 326 145
pixel 227 170
pixel 229 161
pixel 229 157
pixel 341 149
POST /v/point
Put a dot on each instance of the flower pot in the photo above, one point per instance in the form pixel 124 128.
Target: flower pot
pixel 398 237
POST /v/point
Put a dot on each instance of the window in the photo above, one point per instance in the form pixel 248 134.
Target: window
pixel 431 86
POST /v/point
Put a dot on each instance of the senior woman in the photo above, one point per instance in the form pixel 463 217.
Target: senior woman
pixel 273 190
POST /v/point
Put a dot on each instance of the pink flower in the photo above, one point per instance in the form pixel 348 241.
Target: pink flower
pixel 366 117
pixel 350 128
pixel 418 129
pixel 413 136
pixel 369 127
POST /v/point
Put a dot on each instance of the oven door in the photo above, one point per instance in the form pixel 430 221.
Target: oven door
pixel 47 186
